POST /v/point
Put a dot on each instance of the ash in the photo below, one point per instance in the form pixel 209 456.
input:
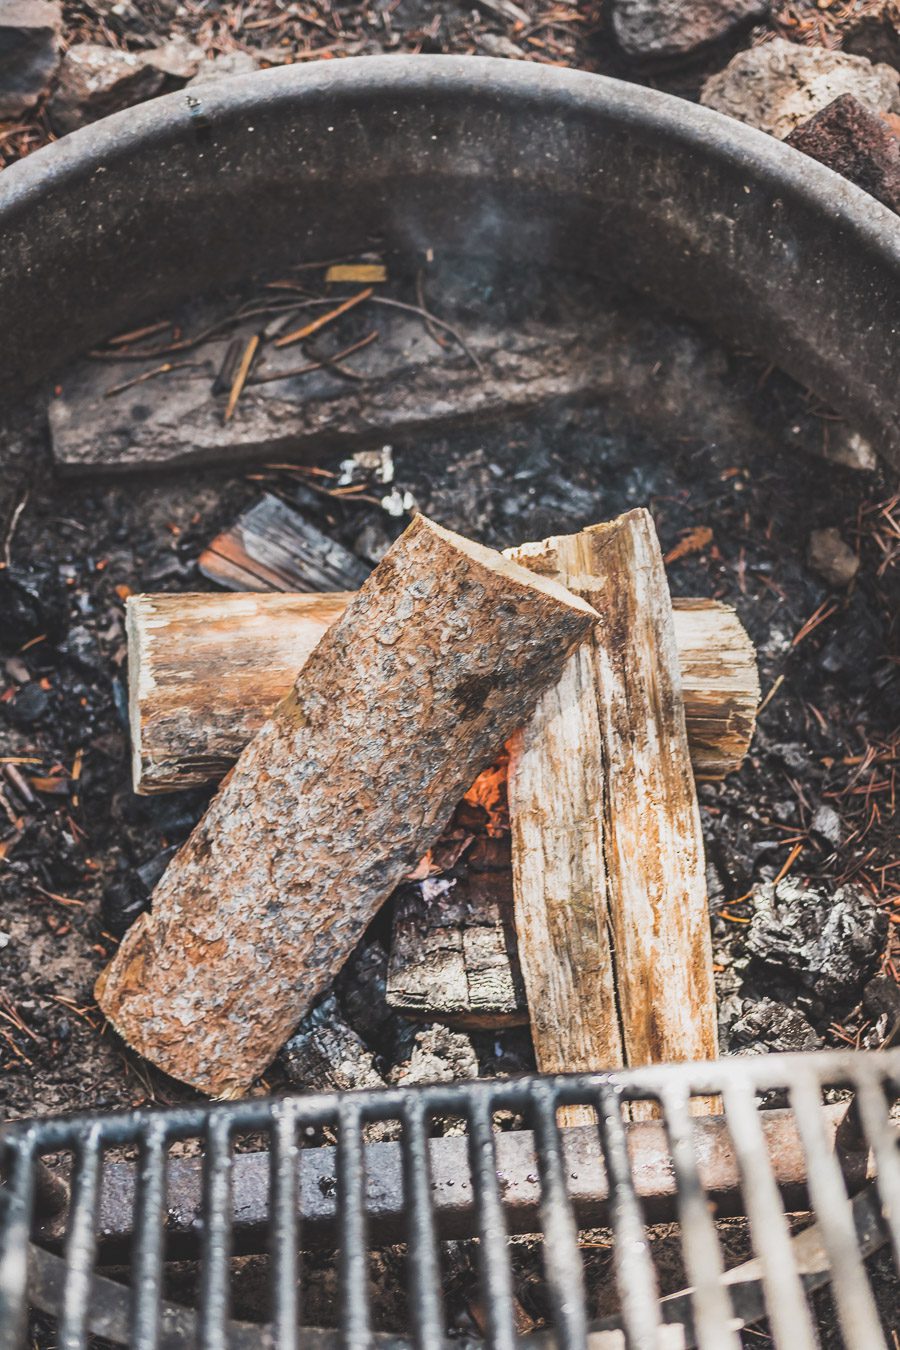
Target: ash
pixel 800 843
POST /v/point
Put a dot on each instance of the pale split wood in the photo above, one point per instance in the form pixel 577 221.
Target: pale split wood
pixel 205 671
pixel 447 644
pixel 623 838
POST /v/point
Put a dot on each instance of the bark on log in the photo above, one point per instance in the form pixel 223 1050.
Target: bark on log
pixel 205 671
pixel 443 652
pixel 608 865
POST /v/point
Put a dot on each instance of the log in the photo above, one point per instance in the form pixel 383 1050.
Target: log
pixel 447 645
pixel 608 864
pixel 205 671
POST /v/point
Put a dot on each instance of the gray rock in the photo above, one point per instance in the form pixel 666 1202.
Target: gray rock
pixel 777 86
pixel 834 560
pixel 177 58
pixel 29 53
pixel 95 81
pixel 827 824
pixel 227 63
pixel 663 29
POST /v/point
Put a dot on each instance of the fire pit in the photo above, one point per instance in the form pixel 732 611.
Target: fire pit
pixel 659 210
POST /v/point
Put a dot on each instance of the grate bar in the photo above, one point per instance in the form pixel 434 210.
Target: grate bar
pixel 882 1137
pixel 150 1204
pixel 81 1240
pixel 635 1274
pixel 216 1252
pixel 426 1309
pixel 790 1321
pixel 285 1247
pixel 16 1203
pixel 496 1274
pixel 562 1258
pixel 857 1314
pixel 702 1255
pixel 351 1196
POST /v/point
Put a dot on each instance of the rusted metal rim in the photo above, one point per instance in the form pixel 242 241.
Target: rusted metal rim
pixel 725 224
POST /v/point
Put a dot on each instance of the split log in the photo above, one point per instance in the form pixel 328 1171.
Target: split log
pixel 205 671
pixel 608 864
pixel 448 644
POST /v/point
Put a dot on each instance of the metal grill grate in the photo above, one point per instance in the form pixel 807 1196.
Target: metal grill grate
pixel 60 1226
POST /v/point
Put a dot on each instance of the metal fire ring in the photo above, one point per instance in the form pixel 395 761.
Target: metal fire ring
pixel 197 189
pixel 839 1161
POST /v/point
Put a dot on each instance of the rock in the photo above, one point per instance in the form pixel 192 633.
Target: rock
pixel 847 447
pixel 95 81
pixel 834 560
pixel 777 86
pixel 177 58
pixel 29 53
pixel 227 63
pixel 826 823
pixel 662 29
pixel 767 1026
pixel 439 1056
pixel 806 945
pixel 854 142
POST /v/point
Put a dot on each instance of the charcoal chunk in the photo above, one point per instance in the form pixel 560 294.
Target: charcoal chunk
pixel 881 1004
pixel 767 1026
pixel 808 945
pixel 31 604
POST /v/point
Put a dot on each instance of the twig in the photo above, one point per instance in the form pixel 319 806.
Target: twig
pixel 315 365
pixel 441 323
pixel 240 378
pixel 150 374
pixel 14 520
pixel 313 327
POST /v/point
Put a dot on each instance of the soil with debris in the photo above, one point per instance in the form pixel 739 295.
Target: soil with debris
pixel 801 844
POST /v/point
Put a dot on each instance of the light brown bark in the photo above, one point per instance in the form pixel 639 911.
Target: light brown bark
pixel 205 671
pixel 444 651
pixel 608 865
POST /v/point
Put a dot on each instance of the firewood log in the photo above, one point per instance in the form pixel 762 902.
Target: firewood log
pixel 205 671
pixel 444 651
pixel 608 864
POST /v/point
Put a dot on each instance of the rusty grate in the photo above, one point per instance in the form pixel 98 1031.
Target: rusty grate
pixel 825 1152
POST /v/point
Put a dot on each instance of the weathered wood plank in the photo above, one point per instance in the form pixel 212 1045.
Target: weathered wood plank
pixel 205 671
pixel 272 547
pixel 448 644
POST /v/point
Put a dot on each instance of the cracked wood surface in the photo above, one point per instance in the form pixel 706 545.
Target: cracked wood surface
pixel 205 671
pixel 608 864
pixel 447 645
